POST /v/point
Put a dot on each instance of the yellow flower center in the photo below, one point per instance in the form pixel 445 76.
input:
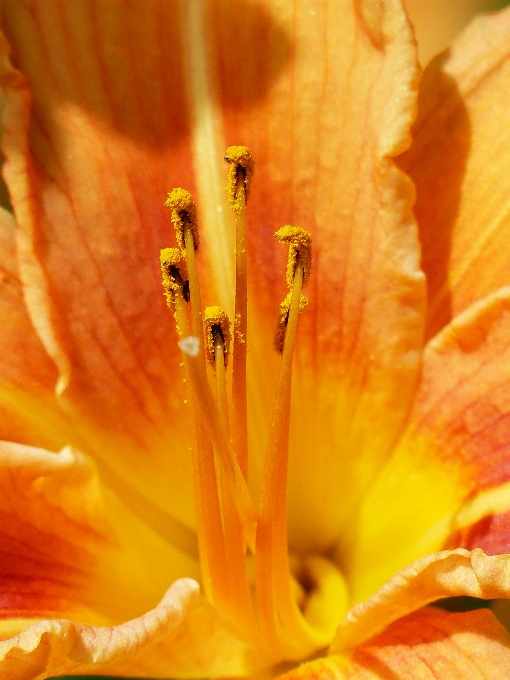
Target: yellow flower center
pixel 287 605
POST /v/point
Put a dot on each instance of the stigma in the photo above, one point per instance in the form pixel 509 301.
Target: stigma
pixel 247 572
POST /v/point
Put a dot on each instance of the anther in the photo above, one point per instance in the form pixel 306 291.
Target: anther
pixel 217 324
pixel 175 274
pixel 239 174
pixel 184 215
pixel 283 317
pixel 300 246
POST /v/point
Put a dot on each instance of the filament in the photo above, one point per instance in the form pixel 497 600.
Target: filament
pixel 239 177
pixel 221 381
pixel 276 603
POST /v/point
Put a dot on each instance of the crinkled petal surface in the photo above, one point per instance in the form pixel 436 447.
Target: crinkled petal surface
pixel 459 161
pixel 182 637
pixel 444 574
pixel 428 644
pixel 72 552
pixel 70 548
pixel 392 635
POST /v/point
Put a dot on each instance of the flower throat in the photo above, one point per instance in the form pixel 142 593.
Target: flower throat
pixel 232 532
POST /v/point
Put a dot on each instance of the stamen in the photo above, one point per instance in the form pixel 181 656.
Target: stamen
pixel 220 529
pixel 184 219
pixel 211 537
pixel 283 317
pixel 240 606
pixel 184 214
pixel 217 338
pixel 300 244
pixel 239 176
pixel 213 558
pixel 176 285
pixel 217 324
pixel 276 601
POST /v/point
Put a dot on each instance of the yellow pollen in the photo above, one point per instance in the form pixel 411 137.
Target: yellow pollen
pixel 174 273
pixel 216 323
pixel 184 214
pixel 237 328
pixel 239 172
pixel 283 317
pixel 300 244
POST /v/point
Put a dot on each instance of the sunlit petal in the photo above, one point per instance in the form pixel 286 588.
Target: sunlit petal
pixel 459 161
pixel 182 637
pixel 436 576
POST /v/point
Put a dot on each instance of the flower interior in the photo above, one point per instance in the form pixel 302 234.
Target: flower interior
pixel 289 605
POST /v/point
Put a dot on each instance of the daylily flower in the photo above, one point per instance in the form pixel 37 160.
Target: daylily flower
pixel 122 543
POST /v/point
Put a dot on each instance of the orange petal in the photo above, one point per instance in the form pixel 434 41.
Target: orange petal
pixel 459 161
pixel 29 412
pixel 70 548
pixel 181 637
pixel 428 644
pixel 462 410
pixel 324 162
pixel 491 533
pixel 88 166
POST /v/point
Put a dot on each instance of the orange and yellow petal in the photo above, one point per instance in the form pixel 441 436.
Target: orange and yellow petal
pixel 84 581
pixel 121 115
pixel 183 636
pixel 29 412
pixel 462 410
pixel 451 467
pixel 94 135
pixel 448 573
pixel 427 644
pixel 69 548
pixel 459 162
